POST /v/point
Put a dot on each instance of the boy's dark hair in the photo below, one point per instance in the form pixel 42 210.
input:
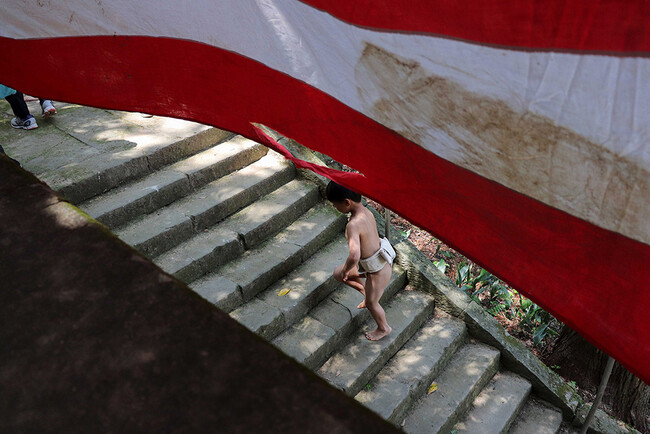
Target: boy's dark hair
pixel 338 193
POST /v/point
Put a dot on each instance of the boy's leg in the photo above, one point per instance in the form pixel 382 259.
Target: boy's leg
pixel 354 281
pixel 375 285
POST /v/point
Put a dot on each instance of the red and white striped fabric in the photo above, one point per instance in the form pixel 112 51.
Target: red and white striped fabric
pixel 517 132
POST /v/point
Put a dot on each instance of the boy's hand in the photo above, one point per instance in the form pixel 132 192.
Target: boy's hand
pixel 345 272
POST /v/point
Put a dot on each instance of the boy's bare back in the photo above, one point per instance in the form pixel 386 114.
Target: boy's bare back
pixel 363 224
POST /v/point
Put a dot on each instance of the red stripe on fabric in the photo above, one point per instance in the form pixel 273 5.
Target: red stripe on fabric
pixel 586 276
pixel 606 25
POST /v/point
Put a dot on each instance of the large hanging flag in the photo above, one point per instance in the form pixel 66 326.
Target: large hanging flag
pixel 517 131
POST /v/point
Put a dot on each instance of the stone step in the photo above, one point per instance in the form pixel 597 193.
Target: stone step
pixel 243 230
pixel 497 406
pixel 242 279
pixel 167 227
pixel 161 188
pixel 269 313
pixel 408 375
pixel 460 382
pixel 277 210
pixel 147 150
pixel 537 417
pixel 352 367
pixel 313 339
pixel 260 267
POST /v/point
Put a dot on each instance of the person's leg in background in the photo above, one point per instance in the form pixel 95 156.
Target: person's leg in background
pixel 47 107
pixel 23 118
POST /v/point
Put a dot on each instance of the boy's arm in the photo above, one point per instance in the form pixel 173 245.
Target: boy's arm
pixel 354 244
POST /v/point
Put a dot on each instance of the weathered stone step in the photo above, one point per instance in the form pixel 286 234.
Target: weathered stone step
pixel 259 267
pixel 496 407
pixel 159 147
pixel 353 367
pixel 269 313
pixel 227 240
pixel 161 188
pixel 161 230
pixel 457 386
pixel 410 372
pixel 242 279
pixel 537 417
pixel 312 339
pixel 269 215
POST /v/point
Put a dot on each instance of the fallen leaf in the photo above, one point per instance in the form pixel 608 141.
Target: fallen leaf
pixel 432 388
pixel 284 291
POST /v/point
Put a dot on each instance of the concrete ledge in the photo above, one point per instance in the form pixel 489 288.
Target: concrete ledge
pixel 307 155
pixel 95 338
pixel 514 355
pixel 92 176
pixel 602 423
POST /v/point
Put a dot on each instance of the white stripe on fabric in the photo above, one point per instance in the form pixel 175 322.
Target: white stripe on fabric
pixel 570 130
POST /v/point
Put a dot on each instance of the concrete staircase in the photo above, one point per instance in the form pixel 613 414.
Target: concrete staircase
pixel 245 232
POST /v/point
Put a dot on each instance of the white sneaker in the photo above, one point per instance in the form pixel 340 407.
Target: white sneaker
pixel 29 123
pixel 48 108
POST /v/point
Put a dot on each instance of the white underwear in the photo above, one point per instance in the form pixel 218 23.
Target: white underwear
pixel 385 255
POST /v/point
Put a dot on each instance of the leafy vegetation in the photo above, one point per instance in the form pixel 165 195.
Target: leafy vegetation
pixel 499 299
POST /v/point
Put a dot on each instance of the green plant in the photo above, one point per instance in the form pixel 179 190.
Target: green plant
pixel 444 254
pixel 405 234
pixel 498 298
pixel 441 265
pixel 463 275
pixel 574 386
pixel 536 320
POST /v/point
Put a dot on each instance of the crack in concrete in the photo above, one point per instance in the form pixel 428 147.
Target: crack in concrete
pixel 149 167
pixel 242 240
pixel 195 225
pixel 346 308
pixel 240 292
pixel 189 180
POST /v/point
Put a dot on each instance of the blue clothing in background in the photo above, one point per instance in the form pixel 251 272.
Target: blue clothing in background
pixel 5 91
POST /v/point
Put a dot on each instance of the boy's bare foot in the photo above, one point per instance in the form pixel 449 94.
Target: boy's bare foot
pixel 362 305
pixel 377 334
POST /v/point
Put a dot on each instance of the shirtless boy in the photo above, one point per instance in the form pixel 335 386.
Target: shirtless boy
pixel 372 256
